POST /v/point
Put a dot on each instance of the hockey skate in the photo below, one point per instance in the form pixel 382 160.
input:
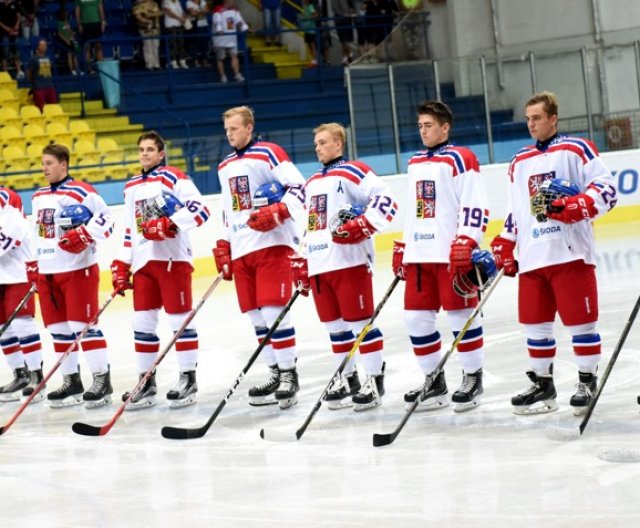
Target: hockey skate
pixel 341 390
pixel 99 394
pixel 145 397
pixel 69 394
pixel 434 398
pixel 371 392
pixel 289 386
pixel 586 388
pixel 184 393
pixel 467 397
pixel 35 377
pixel 11 391
pixel 265 394
pixel 538 398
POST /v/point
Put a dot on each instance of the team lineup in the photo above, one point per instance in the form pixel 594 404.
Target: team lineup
pixel 284 236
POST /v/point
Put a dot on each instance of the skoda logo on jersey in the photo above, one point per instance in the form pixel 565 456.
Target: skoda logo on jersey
pixel 538 232
pixel 423 236
pixel 317 247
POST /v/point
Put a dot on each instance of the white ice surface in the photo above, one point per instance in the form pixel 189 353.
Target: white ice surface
pixel 487 467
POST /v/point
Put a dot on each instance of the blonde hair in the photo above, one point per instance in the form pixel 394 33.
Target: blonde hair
pixel 336 130
pixel 244 111
pixel 549 101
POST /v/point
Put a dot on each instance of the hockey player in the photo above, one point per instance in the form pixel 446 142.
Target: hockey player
pixel 256 245
pixel 556 253
pixel 337 261
pixel 446 222
pixel 161 205
pixel 70 216
pixel 21 341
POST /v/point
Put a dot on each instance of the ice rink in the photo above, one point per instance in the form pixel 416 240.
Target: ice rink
pixel 487 467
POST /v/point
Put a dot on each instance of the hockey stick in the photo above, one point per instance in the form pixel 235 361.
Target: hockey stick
pixel 382 439
pixel 46 378
pixel 558 433
pixel 92 430
pixel 298 434
pixel 183 433
pixel 20 306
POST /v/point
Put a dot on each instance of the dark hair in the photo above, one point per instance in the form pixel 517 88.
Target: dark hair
pixel 58 151
pixel 153 136
pixel 439 110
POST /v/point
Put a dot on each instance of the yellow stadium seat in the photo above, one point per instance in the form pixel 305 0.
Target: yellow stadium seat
pixel 54 113
pixel 31 115
pixel 10 135
pixel 108 146
pixel 58 133
pixel 8 99
pixel 34 153
pixel 19 182
pixel 35 135
pixel 120 171
pixel 81 131
pixel 16 157
pixel 86 153
pixel 9 116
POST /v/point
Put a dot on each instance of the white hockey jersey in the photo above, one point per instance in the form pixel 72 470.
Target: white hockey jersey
pixel 240 174
pixel 47 204
pixel 542 244
pixel 15 239
pixel 138 191
pixel 447 198
pixel 226 24
pixel 342 183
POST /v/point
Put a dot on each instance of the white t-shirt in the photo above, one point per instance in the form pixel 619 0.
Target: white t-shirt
pixel 176 8
pixel 200 21
pixel 229 22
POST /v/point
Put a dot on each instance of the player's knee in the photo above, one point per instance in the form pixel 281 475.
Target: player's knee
pixel 420 322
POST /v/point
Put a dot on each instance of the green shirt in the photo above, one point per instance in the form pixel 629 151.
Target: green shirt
pixel 89 11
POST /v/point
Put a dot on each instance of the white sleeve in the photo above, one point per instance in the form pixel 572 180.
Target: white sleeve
pixel 382 206
pixel 101 224
pixel 195 212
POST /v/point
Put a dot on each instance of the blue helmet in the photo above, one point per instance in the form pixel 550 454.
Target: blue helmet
pixel 549 191
pixel 267 194
pixel 484 269
pixel 345 213
pixel 165 204
pixel 73 216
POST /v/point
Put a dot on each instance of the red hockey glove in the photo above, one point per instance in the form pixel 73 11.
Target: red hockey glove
pixel 121 276
pixel 159 229
pixel 572 209
pixel 222 256
pixel 75 240
pixel 502 249
pixel 396 261
pixel 300 274
pixel 268 217
pixel 460 254
pixel 32 271
pixel 354 231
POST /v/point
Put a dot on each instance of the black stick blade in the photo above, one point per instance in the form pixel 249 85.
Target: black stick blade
pixel 383 439
pixel 181 433
pixel 87 430
pixel 3 429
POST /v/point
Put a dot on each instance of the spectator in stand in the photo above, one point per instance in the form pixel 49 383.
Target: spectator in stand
pixel 271 10
pixel 379 17
pixel 147 14
pixel 227 23
pixel 28 10
pixel 91 25
pixel 9 30
pixel 322 8
pixel 67 40
pixel 199 11
pixel 307 23
pixel 343 16
pixel 175 22
pixel 39 74
pixel 361 30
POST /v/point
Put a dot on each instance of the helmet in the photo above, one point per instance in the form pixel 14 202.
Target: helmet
pixel 163 205
pixel 549 191
pixel 267 194
pixel 484 269
pixel 345 213
pixel 73 216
